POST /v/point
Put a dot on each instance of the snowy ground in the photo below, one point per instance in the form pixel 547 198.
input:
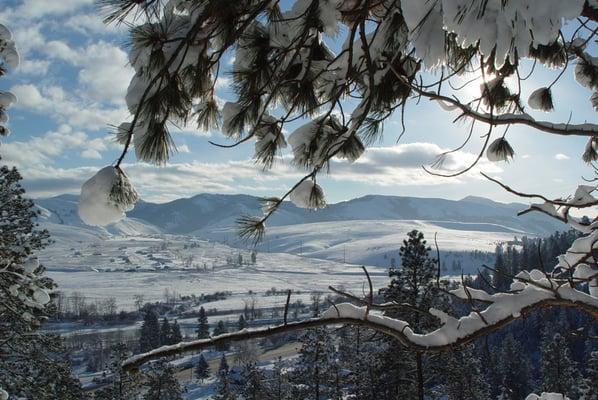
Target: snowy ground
pixel 305 258
pixel 123 267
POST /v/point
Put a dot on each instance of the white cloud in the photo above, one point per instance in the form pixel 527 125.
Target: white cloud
pixel 391 166
pixel 35 9
pixel 183 148
pixel 30 66
pixel 65 108
pixel 104 71
pixel 402 165
pixel 561 157
pixel 92 24
pixel 43 151
pixel 91 153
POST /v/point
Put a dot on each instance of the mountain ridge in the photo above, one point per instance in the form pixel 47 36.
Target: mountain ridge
pixel 204 213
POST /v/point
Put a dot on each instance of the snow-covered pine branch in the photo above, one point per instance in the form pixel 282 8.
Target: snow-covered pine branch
pixel 284 70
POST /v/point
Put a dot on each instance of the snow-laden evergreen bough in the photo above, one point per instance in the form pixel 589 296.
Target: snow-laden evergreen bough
pixel 388 54
pixel 9 59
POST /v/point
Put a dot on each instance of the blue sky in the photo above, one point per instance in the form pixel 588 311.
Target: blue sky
pixel 71 87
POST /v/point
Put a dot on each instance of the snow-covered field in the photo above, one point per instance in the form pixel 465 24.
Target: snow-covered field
pixel 375 242
pixel 302 257
pixel 124 266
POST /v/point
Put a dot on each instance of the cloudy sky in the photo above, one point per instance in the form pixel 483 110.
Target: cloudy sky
pixel 71 87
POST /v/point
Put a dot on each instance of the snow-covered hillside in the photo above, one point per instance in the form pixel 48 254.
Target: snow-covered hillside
pixel 150 250
pixel 201 215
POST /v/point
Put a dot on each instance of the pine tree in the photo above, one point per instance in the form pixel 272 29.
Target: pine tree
pixel 203 329
pixel 253 387
pixel 242 324
pixel 162 384
pixel 278 386
pixel 463 378
pixel 123 386
pixel 219 330
pixel 413 284
pixel 315 367
pixel 223 386
pixel 501 279
pixel 514 368
pixel 33 364
pixel 149 338
pixel 202 369
pixel 175 333
pixel 588 389
pixel 559 371
pixel 165 332
pixel 223 366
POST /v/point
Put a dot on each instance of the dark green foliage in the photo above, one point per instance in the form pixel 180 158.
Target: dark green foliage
pixel 219 330
pixel 559 371
pixel 202 369
pixel 149 337
pixel 165 332
pixel 175 333
pixel 122 386
pixel 242 324
pixel 33 364
pixel 514 370
pixel 162 384
pixel 203 329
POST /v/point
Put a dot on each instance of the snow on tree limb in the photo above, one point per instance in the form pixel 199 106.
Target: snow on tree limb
pixel 503 308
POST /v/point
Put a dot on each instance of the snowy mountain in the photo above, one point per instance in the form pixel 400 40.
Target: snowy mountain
pixel 59 216
pixel 207 215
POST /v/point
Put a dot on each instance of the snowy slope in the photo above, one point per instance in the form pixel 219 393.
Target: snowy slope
pixel 59 216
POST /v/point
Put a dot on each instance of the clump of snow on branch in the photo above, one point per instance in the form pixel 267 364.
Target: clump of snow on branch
pixel 547 396
pixel 541 99
pixel 8 49
pixel 106 197
pixel 9 56
pixel 504 30
pixel 308 194
pixel 500 150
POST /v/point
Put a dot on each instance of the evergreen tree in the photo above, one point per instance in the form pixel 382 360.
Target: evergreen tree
pixel 162 384
pixel 33 365
pixel 165 332
pixel 223 386
pixel 514 369
pixel 123 386
pixel 463 378
pixel 414 284
pixel 149 337
pixel 219 330
pixel 315 367
pixel 500 277
pixel 203 329
pixel 253 387
pixel 242 324
pixel 202 369
pixel 175 333
pixel 223 366
pixel 278 387
pixel 588 388
pixel 559 371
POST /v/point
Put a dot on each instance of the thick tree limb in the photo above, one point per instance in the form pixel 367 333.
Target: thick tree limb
pixel 453 333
